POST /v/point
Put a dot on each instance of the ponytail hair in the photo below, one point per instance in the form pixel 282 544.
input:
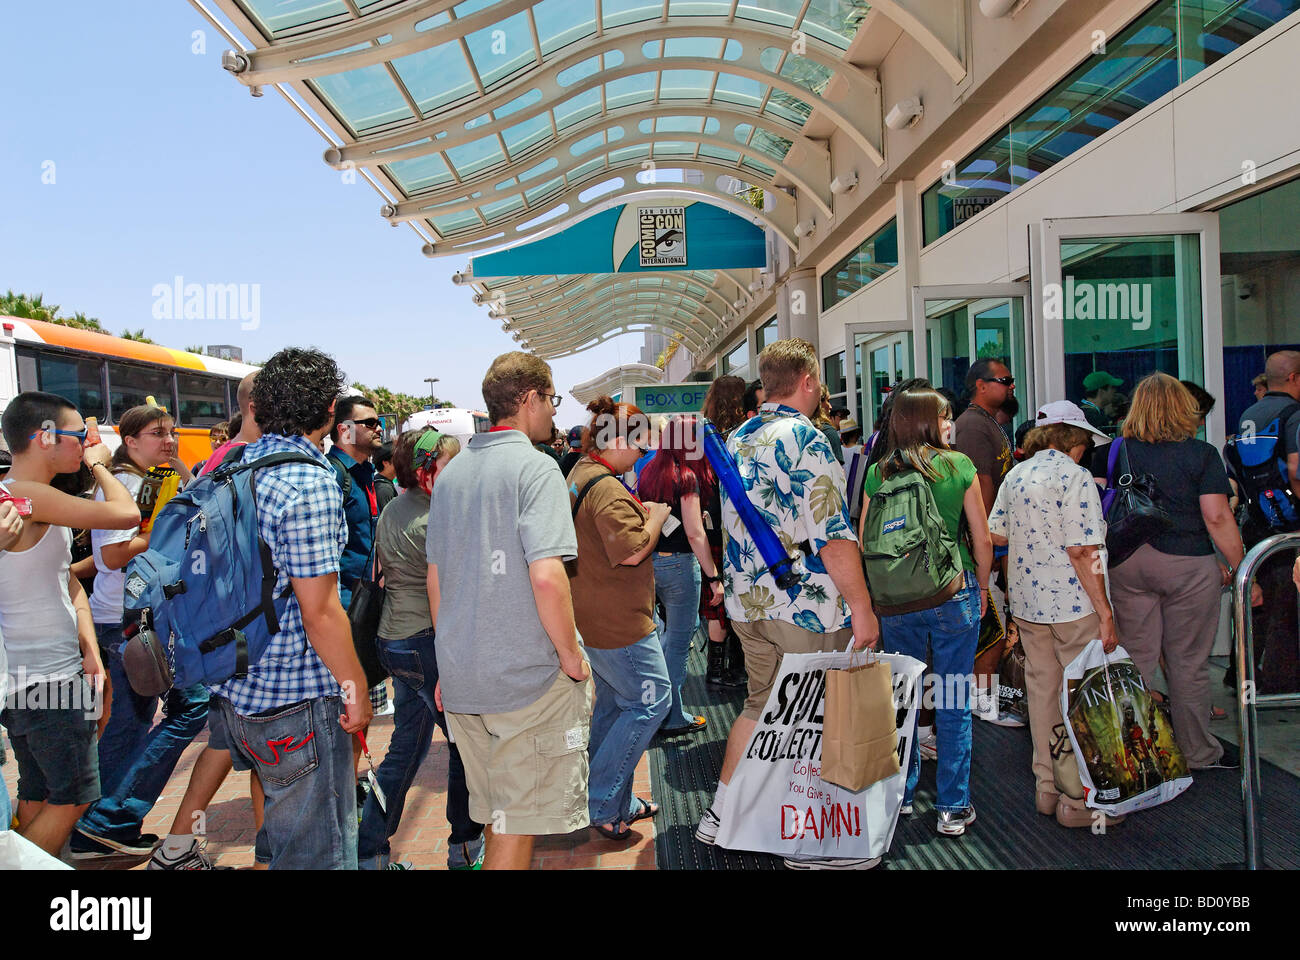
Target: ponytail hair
pixel 610 421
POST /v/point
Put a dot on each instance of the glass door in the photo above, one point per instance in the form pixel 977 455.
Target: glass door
pixel 882 356
pixel 1128 296
pixel 964 323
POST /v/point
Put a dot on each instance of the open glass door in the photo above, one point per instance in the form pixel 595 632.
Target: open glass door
pixel 882 356
pixel 1128 296
pixel 968 322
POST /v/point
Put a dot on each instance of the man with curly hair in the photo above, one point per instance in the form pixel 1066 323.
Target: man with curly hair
pixel 293 715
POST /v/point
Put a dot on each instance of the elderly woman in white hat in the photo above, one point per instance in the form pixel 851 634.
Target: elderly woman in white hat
pixel 1048 514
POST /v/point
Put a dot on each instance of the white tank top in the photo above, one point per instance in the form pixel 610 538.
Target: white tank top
pixel 37 618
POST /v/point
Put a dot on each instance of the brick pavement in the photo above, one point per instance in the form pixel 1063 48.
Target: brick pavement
pixel 422 838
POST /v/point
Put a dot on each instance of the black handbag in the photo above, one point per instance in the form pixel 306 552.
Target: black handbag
pixel 1134 514
pixel 363 613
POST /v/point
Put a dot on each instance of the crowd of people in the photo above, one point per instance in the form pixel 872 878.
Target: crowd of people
pixel 542 591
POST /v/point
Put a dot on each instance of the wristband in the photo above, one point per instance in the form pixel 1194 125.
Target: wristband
pixel 709 579
pixel 999 553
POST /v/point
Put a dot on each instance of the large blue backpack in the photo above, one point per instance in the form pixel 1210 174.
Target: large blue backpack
pixel 206 585
pixel 1256 461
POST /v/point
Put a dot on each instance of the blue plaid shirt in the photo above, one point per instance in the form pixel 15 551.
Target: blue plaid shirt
pixel 300 516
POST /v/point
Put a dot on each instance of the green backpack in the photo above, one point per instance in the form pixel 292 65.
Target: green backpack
pixel 912 562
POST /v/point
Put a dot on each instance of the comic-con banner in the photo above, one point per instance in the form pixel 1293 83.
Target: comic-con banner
pixel 631 238
pixel 777 802
pixel 1122 736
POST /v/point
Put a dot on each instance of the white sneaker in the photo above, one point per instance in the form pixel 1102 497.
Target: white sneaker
pixel 707 831
pixel 831 863
pixel 930 748
pixel 985 705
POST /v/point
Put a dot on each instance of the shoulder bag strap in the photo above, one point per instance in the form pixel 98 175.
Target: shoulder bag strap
pixel 582 494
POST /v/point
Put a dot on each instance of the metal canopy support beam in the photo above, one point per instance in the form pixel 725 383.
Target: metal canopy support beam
pixel 807 169
pixel 939 26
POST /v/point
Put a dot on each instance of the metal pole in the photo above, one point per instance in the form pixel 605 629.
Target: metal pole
pixel 1246 696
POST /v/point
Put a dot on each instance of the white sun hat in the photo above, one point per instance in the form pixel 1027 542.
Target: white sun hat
pixel 1063 411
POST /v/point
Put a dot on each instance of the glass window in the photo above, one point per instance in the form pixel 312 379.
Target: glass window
pixel 980 180
pixel 1259 260
pixel 1131 306
pixel 76 379
pixel 203 400
pixel 877 254
pixel 130 385
pixel 766 334
pixel 1212 29
pixel 736 362
pixel 1138 67
pixel 833 367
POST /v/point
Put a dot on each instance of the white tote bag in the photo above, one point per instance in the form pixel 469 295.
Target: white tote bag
pixel 1123 740
pixel 777 802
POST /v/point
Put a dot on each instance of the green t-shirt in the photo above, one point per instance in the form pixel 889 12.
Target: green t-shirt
pixel 956 474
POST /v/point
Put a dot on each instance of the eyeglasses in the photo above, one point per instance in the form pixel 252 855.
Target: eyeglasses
pixel 555 399
pixel 79 434
pixel 1005 381
pixel 372 422
pixel 162 434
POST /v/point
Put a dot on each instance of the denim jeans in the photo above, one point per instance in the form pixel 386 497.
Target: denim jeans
pixel 414 667
pixel 304 759
pixel 949 632
pixel 677 582
pixel 631 702
pixel 137 758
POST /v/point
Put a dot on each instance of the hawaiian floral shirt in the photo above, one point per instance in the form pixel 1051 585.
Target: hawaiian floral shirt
pixel 1045 504
pixel 797 486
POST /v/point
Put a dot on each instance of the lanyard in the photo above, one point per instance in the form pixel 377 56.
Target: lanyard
pixel 599 459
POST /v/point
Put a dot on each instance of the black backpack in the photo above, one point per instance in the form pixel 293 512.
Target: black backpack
pixel 1256 461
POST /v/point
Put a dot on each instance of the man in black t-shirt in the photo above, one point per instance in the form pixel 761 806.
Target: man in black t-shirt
pixel 1275 626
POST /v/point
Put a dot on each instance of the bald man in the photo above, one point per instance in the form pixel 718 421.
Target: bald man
pixel 1276 624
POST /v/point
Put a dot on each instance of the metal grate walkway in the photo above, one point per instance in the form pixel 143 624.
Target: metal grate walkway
pixel 1202 829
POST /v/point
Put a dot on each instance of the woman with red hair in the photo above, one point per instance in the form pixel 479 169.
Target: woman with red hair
pixel 680 476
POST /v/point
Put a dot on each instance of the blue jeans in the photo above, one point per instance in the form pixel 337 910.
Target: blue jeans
pixel 414 667
pixel 677 583
pixel 950 633
pixel 304 760
pixel 631 701
pixel 136 758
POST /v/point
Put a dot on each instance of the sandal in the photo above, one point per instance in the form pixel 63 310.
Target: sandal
pixel 648 809
pixel 610 831
pixel 697 723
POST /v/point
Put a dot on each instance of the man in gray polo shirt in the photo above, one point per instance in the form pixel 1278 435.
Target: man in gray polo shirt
pixel 513 680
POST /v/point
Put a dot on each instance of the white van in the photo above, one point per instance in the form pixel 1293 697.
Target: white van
pixel 461 424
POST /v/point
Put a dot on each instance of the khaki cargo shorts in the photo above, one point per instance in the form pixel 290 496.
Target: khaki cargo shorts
pixel 527 769
pixel 765 642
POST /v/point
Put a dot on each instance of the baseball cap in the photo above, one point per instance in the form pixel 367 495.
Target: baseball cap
pixel 1063 411
pixel 1100 378
pixel 575 436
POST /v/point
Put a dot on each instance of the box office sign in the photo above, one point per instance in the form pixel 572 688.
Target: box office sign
pixel 661 236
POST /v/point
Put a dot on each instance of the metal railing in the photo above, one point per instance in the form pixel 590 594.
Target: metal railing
pixel 1247 699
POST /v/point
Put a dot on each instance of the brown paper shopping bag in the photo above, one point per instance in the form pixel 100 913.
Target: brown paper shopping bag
pixel 859 736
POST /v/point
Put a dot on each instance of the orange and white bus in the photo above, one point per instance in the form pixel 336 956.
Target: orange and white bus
pixel 104 376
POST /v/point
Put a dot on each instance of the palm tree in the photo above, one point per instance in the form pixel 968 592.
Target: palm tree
pixel 27 307
pixel 136 335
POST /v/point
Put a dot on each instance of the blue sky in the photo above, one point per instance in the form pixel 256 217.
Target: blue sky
pixel 163 166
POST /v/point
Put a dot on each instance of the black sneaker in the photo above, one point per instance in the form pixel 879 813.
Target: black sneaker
pixel 192 859
pixel 83 845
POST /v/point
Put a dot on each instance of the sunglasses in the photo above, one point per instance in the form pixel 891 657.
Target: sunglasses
pixel 79 434
pixel 1005 381
pixel 373 423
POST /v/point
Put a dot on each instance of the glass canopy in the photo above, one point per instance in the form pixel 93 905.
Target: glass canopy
pixel 493 122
